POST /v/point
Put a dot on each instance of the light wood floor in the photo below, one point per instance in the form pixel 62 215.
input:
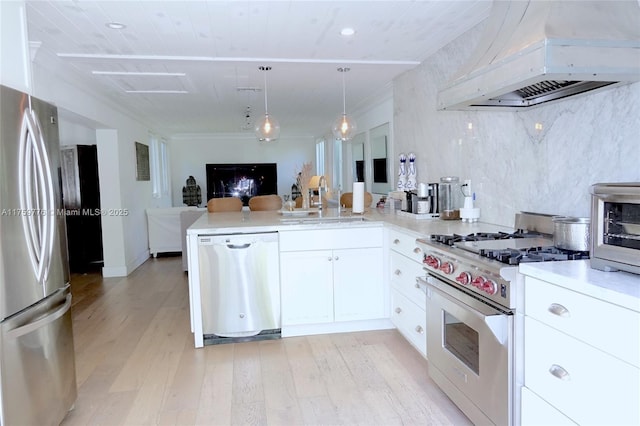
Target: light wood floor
pixel 136 365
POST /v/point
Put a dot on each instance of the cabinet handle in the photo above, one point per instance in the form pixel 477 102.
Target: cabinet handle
pixel 398 272
pixel 396 241
pixel 559 372
pixel 336 258
pixel 417 250
pixel 398 310
pixel 329 258
pixel 419 329
pixel 559 310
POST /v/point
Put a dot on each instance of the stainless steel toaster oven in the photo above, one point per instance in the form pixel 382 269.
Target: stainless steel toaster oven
pixel 615 226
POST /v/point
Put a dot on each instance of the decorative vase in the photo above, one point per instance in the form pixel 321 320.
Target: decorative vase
pixel 305 199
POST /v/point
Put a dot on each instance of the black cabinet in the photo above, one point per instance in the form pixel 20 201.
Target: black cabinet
pixel 81 197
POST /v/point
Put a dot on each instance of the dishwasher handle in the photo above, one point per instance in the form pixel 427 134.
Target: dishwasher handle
pixel 239 246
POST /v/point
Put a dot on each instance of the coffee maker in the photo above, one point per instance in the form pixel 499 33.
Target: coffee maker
pixel 425 201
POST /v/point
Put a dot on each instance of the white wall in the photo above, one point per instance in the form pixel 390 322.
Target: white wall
pixel 585 140
pixel 15 66
pixel 190 153
pixel 125 239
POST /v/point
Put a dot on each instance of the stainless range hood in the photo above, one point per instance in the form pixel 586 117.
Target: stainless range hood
pixel 538 51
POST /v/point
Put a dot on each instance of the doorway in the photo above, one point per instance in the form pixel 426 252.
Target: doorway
pixel 81 200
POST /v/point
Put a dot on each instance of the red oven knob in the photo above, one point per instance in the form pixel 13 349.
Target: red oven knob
pixel 464 278
pixel 490 287
pixel 432 261
pixel 447 268
pixel 478 282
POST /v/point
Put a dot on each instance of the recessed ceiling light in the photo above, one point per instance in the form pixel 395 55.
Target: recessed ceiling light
pixel 347 31
pixel 115 25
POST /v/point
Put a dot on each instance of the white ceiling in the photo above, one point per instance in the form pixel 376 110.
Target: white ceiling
pixel 217 47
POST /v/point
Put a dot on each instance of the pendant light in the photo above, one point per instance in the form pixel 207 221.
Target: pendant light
pixel 344 127
pixel 267 129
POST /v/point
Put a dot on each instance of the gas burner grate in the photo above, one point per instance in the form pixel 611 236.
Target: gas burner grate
pixel 451 239
pixel 533 254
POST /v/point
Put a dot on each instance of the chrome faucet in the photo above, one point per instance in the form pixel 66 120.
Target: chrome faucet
pixel 321 184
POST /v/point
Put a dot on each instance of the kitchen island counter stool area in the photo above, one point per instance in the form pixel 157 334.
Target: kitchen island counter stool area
pixel 136 364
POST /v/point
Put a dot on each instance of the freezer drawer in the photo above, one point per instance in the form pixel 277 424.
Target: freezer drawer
pixel 38 366
pixel 239 284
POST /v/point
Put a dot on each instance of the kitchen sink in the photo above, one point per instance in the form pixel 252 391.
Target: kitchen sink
pixel 321 220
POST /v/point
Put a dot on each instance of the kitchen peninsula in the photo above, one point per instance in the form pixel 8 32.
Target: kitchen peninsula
pixel 361 244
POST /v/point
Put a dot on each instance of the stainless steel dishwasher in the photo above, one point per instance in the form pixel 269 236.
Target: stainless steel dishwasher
pixel 239 286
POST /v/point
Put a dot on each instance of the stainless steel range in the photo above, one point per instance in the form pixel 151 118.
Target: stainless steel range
pixel 471 300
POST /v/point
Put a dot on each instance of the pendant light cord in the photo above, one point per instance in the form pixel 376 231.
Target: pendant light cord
pixel 344 91
pixel 265 69
pixel 344 95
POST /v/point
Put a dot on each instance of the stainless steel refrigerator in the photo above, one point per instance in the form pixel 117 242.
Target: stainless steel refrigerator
pixel 37 364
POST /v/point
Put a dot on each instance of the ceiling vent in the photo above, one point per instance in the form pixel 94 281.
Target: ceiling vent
pixel 534 52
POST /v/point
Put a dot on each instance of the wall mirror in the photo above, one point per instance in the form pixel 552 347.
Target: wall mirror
pixel 357 157
pixel 379 139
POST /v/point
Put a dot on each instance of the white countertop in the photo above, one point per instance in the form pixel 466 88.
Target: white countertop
pixel 270 221
pixel 619 288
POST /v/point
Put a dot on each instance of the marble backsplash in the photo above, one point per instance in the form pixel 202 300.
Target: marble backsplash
pixel 540 160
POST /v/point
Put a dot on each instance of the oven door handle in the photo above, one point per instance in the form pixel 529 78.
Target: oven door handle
pixel 494 319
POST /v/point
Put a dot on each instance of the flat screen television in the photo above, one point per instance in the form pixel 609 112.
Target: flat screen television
pixel 242 180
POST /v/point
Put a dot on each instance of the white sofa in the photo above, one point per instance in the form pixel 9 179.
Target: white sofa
pixel 165 234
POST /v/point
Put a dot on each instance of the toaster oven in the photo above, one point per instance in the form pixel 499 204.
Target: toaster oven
pixel 615 226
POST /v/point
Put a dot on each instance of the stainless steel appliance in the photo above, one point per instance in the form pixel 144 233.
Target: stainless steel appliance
pixel 239 286
pixel 615 227
pixel 37 364
pixel 471 301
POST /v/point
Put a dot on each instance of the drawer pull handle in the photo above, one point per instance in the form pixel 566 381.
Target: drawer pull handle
pixel 419 329
pixel 396 241
pixel 559 372
pixel 398 310
pixel 336 258
pixel 398 272
pixel 329 258
pixel 417 250
pixel 559 310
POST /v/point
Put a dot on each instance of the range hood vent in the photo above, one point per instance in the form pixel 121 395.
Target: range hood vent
pixel 534 52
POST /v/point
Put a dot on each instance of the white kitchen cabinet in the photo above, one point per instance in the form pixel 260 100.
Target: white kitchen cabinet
pixel 408 299
pixel 306 282
pixel 332 276
pixel 580 357
pixel 358 284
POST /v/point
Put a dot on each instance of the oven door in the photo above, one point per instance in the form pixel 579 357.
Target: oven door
pixel 469 347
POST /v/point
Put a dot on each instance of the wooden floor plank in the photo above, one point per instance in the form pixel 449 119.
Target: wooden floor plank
pixel 136 365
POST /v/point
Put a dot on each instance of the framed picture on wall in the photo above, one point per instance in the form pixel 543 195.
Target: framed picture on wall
pixel 142 162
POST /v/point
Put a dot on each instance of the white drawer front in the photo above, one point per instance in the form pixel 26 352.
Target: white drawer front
pixel 403 277
pixel 405 244
pixel 322 239
pixel 410 320
pixel 600 324
pixel 586 384
pixel 536 411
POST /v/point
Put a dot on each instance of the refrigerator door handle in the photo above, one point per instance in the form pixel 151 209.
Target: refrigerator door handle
pixel 41 322
pixel 37 191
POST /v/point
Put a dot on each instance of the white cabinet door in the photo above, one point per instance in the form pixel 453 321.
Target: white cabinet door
pixel 306 280
pixel 358 284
